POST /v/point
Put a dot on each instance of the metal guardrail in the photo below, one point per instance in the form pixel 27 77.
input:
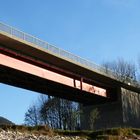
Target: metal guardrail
pixel 56 51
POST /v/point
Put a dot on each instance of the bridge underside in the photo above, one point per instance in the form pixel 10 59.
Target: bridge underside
pixel 31 82
pixel 32 68
pixel 18 71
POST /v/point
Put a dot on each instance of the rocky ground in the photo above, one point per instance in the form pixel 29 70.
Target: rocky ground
pixel 16 135
pixel 133 137
pixel 11 135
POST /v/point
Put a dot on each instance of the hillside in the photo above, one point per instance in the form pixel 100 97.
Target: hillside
pixel 4 121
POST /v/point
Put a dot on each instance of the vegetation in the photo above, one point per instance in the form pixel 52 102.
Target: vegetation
pixel 123 70
pixel 44 130
pixel 55 112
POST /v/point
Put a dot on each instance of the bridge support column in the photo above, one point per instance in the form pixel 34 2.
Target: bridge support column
pixel 124 112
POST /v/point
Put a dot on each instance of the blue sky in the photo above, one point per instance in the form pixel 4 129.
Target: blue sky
pixel 98 30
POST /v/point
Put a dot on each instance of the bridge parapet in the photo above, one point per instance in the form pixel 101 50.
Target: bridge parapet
pixel 33 41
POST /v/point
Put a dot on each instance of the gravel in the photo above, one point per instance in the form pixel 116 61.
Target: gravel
pixel 15 135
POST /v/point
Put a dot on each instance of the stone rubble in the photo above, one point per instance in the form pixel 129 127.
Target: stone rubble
pixel 12 135
pixel 16 135
pixel 134 137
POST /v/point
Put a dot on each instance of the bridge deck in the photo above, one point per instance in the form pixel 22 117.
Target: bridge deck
pixel 32 47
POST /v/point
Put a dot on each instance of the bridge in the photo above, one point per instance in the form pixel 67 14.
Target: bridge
pixel 30 63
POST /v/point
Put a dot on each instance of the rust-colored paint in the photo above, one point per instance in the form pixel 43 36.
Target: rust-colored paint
pixel 49 75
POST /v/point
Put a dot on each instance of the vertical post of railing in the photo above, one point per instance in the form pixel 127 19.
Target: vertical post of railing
pixel 59 52
pixel 11 31
pixel 23 36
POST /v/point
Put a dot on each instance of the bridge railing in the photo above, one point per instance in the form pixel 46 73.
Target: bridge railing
pixel 55 51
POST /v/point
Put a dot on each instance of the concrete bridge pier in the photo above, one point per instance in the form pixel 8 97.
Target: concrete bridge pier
pixel 124 112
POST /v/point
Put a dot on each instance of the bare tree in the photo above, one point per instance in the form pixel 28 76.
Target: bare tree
pixel 54 112
pixel 123 70
pixel 32 116
pixel 60 113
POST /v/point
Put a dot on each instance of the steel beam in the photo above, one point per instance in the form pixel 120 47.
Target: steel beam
pixel 49 75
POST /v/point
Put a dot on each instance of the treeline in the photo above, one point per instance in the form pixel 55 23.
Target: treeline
pixel 55 112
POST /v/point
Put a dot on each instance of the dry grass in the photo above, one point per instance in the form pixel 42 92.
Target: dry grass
pixel 38 130
pixel 107 134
